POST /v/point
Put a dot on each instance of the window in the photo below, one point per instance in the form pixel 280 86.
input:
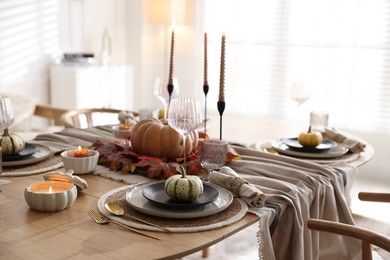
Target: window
pixel 338 48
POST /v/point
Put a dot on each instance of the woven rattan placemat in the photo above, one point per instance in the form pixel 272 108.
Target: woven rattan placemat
pixel 49 164
pixel 233 213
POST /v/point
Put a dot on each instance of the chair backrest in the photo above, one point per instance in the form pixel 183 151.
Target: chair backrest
pixel 368 237
pixel 50 112
pixel 83 118
pixel 374 196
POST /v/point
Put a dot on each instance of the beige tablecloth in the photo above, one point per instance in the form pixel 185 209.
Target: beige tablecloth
pixel 302 189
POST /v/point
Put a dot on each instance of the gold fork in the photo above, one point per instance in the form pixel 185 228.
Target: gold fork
pixel 103 220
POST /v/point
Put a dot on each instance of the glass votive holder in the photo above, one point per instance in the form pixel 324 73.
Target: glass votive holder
pixel 81 161
pixel 319 120
pixel 213 154
pixel 50 195
pixel 145 113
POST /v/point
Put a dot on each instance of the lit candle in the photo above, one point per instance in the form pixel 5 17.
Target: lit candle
pixel 205 59
pixel 81 160
pixel 222 71
pixel 80 152
pixel 171 60
pixel 50 195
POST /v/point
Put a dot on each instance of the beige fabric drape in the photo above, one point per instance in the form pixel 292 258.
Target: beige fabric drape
pixel 304 190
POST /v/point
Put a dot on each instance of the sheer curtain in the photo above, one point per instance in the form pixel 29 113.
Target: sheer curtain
pixel 340 49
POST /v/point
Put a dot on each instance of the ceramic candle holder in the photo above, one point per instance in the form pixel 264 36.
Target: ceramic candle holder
pixel 50 195
pixel 80 165
pixel 122 131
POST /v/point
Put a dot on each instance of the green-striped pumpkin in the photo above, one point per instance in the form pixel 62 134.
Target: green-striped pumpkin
pixel 184 188
pixel 11 143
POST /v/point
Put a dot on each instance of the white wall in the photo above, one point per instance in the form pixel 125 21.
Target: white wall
pixel 33 31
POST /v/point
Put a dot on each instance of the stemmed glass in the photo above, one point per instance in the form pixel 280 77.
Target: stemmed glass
pixel 161 92
pixel 184 115
pixel 6 112
pixel 6 118
pixel 299 92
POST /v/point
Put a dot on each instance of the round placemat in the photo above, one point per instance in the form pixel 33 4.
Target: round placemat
pixel 232 214
pixel 49 164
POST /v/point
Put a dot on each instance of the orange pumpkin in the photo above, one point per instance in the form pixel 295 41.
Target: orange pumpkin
pixel 153 138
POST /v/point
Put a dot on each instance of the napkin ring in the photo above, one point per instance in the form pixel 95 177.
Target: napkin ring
pixel 236 183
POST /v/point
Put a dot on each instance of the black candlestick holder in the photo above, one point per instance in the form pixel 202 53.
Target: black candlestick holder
pixel 170 91
pixel 221 109
pixel 206 91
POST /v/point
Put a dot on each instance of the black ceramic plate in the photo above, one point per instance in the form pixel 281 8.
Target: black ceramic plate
pixel 28 150
pixel 156 193
pixel 294 144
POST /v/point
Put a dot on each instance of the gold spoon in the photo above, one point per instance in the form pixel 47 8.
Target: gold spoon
pixel 271 150
pixel 117 210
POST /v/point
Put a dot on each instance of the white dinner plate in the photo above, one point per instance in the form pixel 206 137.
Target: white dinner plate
pixel 337 151
pixel 41 153
pixel 138 202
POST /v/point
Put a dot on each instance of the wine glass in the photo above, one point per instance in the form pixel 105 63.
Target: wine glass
pixel 161 92
pixel 299 92
pixel 184 115
pixel 213 154
pixel 6 112
pixel 6 118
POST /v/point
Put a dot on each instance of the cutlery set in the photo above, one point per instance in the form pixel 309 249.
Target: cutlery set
pixel 100 219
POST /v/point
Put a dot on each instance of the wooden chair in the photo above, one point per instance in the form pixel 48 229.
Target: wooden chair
pixel 50 112
pixel 367 237
pixel 82 118
pixel 89 117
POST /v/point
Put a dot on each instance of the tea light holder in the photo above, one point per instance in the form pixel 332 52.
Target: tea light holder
pixel 122 131
pixel 50 195
pixel 81 161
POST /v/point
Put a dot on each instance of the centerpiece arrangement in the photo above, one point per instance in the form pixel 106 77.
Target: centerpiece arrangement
pixel 157 149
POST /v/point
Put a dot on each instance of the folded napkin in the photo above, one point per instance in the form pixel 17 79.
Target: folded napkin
pixel 231 181
pixel 352 144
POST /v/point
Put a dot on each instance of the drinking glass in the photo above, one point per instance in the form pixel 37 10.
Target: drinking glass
pixel 299 92
pixel 184 115
pixel 319 120
pixel 161 92
pixel 6 119
pixel 213 154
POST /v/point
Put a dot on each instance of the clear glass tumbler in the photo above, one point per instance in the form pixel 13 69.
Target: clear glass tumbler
pixel 319 120
pixel 213 154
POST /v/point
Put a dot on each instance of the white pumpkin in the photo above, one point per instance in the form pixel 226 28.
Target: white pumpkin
pixel 183 187
pixel 11 143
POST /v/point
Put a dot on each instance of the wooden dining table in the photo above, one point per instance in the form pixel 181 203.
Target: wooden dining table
pixel 72 234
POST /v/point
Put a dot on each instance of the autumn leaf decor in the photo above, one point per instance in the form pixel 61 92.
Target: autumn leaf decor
pixel 117 155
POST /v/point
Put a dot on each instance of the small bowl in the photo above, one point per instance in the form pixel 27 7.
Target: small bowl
pixel 122 133
pixel 50 195
pixel 80 165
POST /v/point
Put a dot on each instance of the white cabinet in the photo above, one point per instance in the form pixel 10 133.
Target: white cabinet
pixel 91 86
